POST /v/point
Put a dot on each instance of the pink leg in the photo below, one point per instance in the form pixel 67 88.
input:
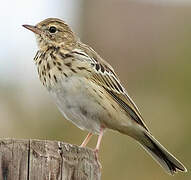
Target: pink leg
pixel 98 145
pixel 86 140
pixel 99 140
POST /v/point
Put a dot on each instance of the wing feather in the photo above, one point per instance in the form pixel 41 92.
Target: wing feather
pixel 103 75
pixel 113 86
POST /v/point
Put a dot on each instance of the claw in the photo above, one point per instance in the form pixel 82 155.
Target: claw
pixel 96 158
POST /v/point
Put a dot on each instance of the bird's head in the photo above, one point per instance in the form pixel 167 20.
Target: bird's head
pixel 53 32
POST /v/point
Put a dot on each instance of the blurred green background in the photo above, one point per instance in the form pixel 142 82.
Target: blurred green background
pixel 149 45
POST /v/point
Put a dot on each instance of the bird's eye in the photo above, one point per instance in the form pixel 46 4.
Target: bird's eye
pixel 52 29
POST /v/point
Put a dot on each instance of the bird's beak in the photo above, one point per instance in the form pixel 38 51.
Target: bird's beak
pixel 33 28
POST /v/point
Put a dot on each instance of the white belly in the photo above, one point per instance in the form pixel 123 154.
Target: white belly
pixel 76 102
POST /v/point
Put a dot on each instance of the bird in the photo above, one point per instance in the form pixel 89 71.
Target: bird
pixel 88 92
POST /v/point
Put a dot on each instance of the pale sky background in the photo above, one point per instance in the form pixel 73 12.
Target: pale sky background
pixel 18 46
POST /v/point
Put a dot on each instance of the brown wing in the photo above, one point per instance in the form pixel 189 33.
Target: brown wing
pixel 104 75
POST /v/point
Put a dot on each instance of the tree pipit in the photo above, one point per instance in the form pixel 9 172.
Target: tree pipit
pixel 88 92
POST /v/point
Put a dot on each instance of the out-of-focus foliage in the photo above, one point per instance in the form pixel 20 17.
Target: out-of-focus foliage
pixel 149 45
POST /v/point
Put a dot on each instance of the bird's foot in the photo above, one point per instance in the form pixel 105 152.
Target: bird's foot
pixel 96 157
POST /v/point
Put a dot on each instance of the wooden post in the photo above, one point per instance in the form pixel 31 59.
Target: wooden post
pixel 46 160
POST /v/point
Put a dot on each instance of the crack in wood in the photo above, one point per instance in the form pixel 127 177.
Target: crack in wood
pixel 28 167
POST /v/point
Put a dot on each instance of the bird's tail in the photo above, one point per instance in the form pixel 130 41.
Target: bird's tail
pixel 161 155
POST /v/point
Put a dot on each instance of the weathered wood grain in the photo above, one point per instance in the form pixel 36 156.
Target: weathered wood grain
pixel 46 160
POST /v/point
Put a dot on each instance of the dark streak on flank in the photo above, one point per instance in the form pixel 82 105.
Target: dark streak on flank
pixel 88 70
pixel 62 55
pixel 49 75
pixel 73 70
pixel 59 64
pixel 55 79
pixel 100 96
pixel 68 56
pixel 100 91
pixel 48 66
pixel 44 68
pixel 81 68
pixel 39 63
pixel 65 55
pixel 38 69
pixel 99 103
pixel 65 74
pixel 68 64
pixel 104 108
pixel 52 56
pixel 60 69
pixel 113 106
pixel 42 55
